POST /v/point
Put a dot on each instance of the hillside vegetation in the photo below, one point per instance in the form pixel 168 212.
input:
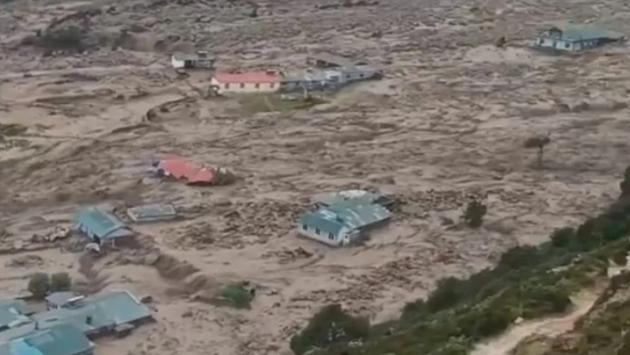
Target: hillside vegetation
pixel 527 283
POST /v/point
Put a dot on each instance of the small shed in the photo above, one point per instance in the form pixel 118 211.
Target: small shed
pixel 100 226
pixel 199 60
pixel 60 299
pixel 574 37
pixel 152 213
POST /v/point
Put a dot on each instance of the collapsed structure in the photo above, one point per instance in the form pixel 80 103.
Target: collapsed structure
pixel 344 218
pixel 191 172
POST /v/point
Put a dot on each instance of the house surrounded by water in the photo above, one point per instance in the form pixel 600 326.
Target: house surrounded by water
pixel 575 38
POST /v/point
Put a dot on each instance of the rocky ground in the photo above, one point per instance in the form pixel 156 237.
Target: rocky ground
pixel 447 122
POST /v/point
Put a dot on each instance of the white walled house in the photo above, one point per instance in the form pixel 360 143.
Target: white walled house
pixel 248 82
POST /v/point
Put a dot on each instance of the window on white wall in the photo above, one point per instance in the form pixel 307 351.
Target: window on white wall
pixel 242 85
pixel 331 236
pixel 316 230
pixel 257 86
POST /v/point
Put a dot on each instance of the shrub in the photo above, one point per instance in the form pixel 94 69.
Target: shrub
pixel 234 295
pixel 545 299
pixel 620 257
pixel 562 237
pixel 479 323
pixel 520 256
pixel 39 285
pixel 475 211
pixel 445 295
pixel 63 38
pixel 329 326
pixel 60 281
pixel 625 184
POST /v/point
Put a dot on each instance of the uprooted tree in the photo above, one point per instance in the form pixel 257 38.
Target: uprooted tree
pixel 475 211
pixel 538 142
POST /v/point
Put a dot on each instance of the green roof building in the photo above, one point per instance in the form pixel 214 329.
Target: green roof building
pixel 62 339
pixel 343 222
pixel 574 37
pixel 12 314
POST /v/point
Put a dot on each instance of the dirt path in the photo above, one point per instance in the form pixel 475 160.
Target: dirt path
pixel 551 327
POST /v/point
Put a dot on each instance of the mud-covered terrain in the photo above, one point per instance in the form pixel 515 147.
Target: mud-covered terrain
pixel 80 124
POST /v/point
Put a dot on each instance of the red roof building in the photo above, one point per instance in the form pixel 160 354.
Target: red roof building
pixel 183 169
pixel 248 82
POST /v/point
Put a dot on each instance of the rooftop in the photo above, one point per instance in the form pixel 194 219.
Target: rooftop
pixel 12 313
pixel 263 77
pixel 102 223
pixel 61 339
pixel 97 312
pixel 152 212
pixel 574 32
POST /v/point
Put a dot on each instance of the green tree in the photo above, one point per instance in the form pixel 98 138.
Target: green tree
pixel 562 237
pixel 520 256
pixel 445 295
pixel 625 184
pixel 329 326
pixel 60 281
pixel 475 211
pixel 39 285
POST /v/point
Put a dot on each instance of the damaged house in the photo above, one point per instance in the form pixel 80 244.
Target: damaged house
pixel 575 38
pixel 101 227
pixel 330 72
pixel 199 60
pixel 343 222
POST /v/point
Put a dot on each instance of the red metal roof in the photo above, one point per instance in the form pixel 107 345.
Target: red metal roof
pixel 192 172
pixel 249 77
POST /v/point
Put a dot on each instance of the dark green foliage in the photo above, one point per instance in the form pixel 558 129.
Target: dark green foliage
pixel 329 326
pixel 234 295
pixel 541 300
pixel 445 295
pixel 39 285
pixel 562 237
pixel 620 257
pixel 60 281
pixel 624 185
pixel 520 256
pixel 475 211
pixel 63 39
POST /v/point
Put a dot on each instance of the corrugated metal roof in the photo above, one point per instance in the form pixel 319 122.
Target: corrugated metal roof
pixel 103 310
pixel 59 298
pixel 102 224
pixel 324 220
pixel 62 339
pixel 262 77
pixel 192 172
pixel 574 32
pixel 356 215
pixel 12 313
pixel 152 212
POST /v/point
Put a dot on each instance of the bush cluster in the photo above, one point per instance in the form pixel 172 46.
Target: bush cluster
pixel 41 284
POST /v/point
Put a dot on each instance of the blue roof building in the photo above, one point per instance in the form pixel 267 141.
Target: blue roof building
pixel 99 314
pixel 12 314
pixel 100 226
pixel 62 339
pixel 573 38
pixel 343 222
